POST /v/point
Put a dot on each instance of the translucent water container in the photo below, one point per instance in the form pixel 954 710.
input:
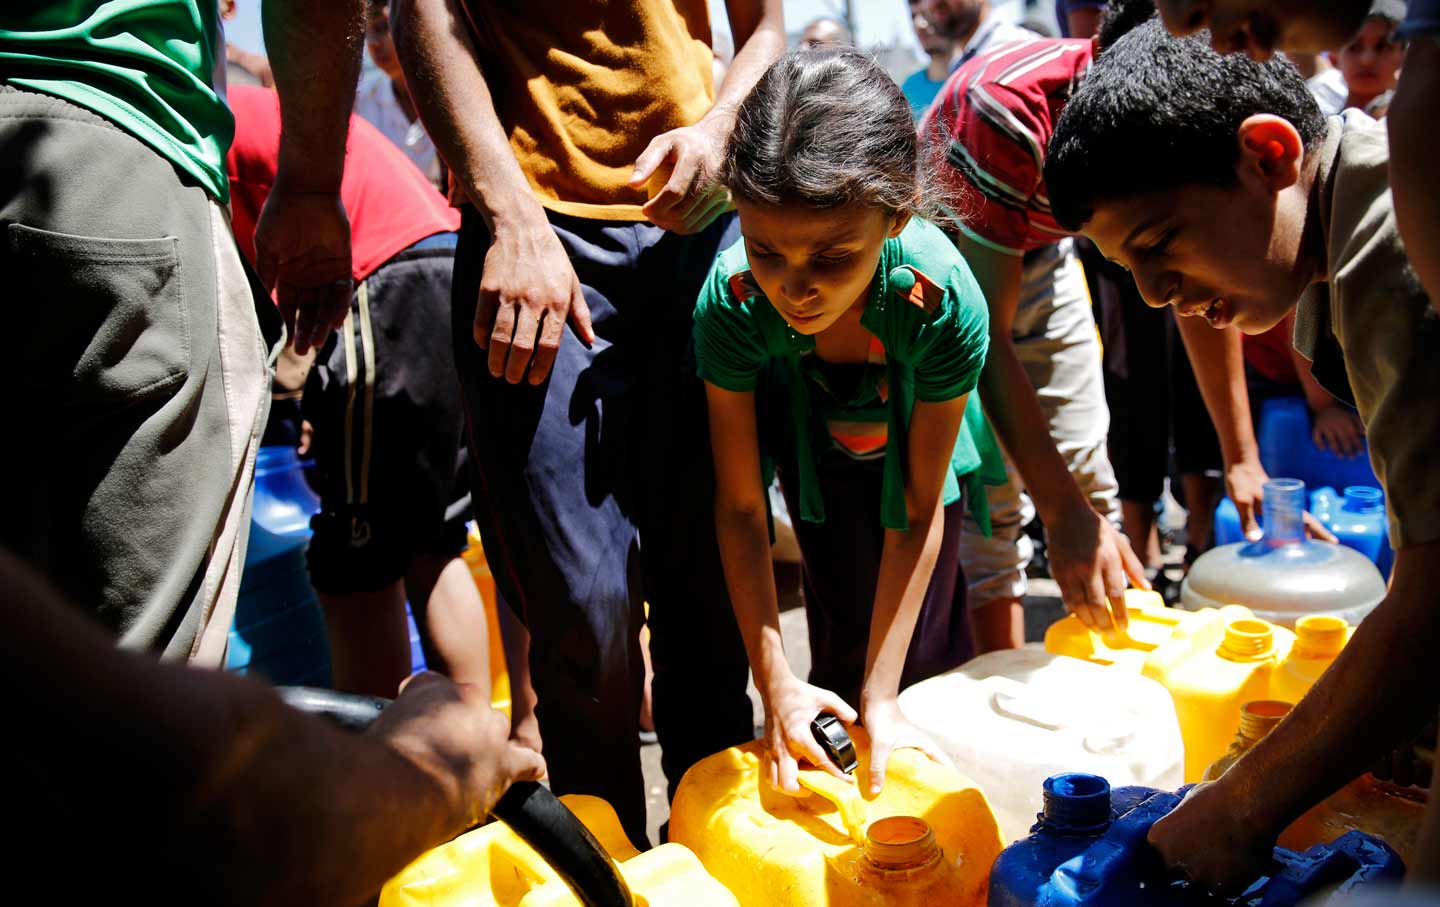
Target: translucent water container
pixel 929 839
pixel 1284 576
pixel 1151 623
pixel 492 867
pixel 279 630
pixel 1012 718
pixel 1319 639
pixel 1089 849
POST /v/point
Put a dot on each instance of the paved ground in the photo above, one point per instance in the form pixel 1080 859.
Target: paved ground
pixel 1042 607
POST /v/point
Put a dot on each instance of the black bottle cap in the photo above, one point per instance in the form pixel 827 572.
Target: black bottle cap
pixel 835 741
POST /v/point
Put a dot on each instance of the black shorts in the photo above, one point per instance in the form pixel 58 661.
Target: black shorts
pixel 389 446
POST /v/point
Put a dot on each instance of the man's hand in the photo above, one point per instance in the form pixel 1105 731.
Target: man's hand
pixel 1245 484
pixel 1090 561
pixel 450 732
pixel 1338 429
pixel 302 251
pixel 527 293
pixel 680 166
pixel 1206 840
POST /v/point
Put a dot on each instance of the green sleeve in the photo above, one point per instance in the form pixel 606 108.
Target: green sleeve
pixel 950 348
pixel 729 349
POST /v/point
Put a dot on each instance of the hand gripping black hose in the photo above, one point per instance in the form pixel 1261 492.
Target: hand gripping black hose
pixel 530 810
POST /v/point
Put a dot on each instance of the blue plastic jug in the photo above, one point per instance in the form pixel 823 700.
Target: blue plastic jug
pixel 1287 448
pixel 1089 849
pixel 279 631
pixel 1357 517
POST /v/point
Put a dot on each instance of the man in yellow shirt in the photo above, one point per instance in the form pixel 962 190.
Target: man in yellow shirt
pixel 582 141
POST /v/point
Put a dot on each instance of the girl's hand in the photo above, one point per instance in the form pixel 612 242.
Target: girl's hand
pixel 790 706
pixel 890 730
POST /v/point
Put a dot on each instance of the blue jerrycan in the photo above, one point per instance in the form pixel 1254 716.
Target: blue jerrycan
pixel 1089 849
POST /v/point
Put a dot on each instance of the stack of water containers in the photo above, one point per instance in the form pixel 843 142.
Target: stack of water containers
pixel 1356 514
pixel 1089 849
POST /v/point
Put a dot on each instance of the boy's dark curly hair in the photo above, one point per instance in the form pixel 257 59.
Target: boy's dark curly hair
pixel 1157 113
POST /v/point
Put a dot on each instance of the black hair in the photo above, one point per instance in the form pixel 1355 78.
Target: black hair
pixel 1119 19
pixel 1158 112
pixel 824 127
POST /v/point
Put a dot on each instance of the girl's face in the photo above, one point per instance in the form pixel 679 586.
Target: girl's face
pixel 815 264
pixel 1370 61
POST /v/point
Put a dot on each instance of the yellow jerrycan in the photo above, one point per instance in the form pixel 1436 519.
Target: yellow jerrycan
pixel 474 556
pixel 1225 659
pixel 1151 625
pixel 1318 641
pixel 928 839
pixel 492 867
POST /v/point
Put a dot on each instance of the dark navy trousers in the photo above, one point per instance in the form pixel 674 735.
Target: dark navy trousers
pixel 594 495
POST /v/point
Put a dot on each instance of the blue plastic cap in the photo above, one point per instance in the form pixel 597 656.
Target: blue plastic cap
pixel 1076 803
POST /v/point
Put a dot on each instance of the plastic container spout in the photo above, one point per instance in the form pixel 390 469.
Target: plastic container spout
pixel 1076 804
pixel 1284 512
pixel 1320 635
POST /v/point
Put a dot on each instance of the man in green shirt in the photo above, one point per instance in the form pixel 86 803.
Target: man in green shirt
pixel 138 373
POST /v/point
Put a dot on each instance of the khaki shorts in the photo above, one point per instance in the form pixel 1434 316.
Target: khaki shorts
pixel 1055 337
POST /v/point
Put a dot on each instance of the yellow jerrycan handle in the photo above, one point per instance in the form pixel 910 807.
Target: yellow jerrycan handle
pixel 837 745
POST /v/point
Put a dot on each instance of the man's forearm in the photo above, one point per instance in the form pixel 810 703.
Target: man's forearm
pixel 1361 708
pixel 1014 411
pixel 442 69
pixel 256 802
pixel 759 32
pixel 314 48
pixel 1218 360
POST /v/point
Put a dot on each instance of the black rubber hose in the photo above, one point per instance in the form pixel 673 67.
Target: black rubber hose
pixel 531 811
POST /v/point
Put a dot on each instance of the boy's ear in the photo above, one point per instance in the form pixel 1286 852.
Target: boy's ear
pixel 1271 149
pixel 901 221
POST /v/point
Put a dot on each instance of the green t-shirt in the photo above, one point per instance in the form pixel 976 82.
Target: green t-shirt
pixel 927 312
pixel 145 65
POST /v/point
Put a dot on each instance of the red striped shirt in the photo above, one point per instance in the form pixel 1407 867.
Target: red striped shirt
pixel 986 135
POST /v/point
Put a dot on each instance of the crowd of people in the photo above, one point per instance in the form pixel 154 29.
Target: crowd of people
pixel 567 272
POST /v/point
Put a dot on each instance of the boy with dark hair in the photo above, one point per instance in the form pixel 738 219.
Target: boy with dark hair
pixel 1218 184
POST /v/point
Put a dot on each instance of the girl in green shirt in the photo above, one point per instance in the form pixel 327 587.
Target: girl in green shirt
pixel 840 342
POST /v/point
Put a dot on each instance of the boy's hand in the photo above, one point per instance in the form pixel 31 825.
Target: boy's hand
pixel 1338 429
pixel 527 293
pixel 890 730
pixel 681 166
pixel 1090 561
pixel 1245 484
pixel 449 732
pixel 790 706
pixel 1205 840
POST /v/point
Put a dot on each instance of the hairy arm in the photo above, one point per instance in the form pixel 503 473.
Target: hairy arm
pixel 1222 834
pixel 302 239
pixel 1218 360
pixel 529 288
pixel 1089 559
pixel 255 801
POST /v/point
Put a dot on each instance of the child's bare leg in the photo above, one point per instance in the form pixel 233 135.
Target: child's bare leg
pixel 524 728
pixel 443 595
pixel 369 642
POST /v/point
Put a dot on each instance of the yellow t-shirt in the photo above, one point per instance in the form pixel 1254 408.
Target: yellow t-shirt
pixel 582 87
